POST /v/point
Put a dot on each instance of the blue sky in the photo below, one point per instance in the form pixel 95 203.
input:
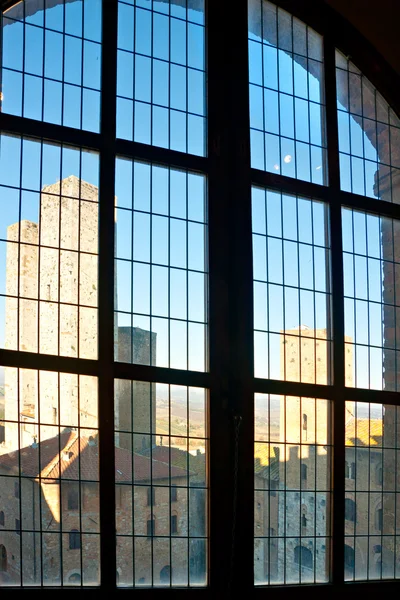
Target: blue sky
pixel 187 94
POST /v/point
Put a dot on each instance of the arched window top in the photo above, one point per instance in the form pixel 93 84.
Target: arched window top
pixel 369 136
pixel 350 509
pixel 287 114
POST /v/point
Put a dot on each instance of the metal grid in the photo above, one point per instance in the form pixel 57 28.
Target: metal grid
pixel 292 482
pixel 161 266
pixel 51 63
pixel 49 472
pixel 48 247
pixel 292 291
pixel 161 74
pixel 372 484
pixel 230 379
pixel 371 273
pixel 369 136
pixel 287 121
pixel 161 455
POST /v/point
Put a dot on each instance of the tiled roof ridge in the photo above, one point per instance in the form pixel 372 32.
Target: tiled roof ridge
pixel 57 458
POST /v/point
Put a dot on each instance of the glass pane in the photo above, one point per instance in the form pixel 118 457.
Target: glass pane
pixel 49 475
pixel 48 248
pixel 292 483
pixel 372 488
pixel 161 267
pixel 51 62
pixel 161 97
pixel 287 112
pixel 371 263
pixel 369 136
pixel 161 454
pixel 292 295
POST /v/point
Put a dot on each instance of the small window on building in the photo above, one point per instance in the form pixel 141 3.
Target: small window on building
pixel 303 521
pixel 2 520
pixel 347 470
pixel 174 524
pixel 350 509
pixel 74 578
pixel 303 556
pixel 73 496
pixel 74 539
pixel 273 487
pixel 16 489
pixel 379 519
pixel 18 526
pixel 304 472
pixel 3 559
pixel 151 496
pixel 304 422
pixel 353 470
pixel 174 494
pixel 118 496
pixel 151 527
pixel 379 476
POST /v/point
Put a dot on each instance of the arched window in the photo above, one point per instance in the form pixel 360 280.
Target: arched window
pixel 174 524
pixel 379 519
pixel 349 561
pixel 151 527
pixel 350 509
pixel 151 496
pixel 3 558
pixel 199 248
pixel 165 574
pixel 74 578
pixel 2 520
pixel 74 539
pixel 303 557
pixel 73 496
pixel 379 476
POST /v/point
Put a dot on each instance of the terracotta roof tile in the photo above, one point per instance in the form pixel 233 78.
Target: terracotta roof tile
pixel 74 458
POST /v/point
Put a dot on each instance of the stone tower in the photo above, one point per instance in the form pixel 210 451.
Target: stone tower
pixel 52 277
pixel 53 270
pixel 135 402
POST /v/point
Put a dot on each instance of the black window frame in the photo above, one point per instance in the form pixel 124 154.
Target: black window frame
pixel 230 380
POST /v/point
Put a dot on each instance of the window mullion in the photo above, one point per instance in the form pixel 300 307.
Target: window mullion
pixel 241 388
pixel 106 294
pixel 337 311
pixel 221 450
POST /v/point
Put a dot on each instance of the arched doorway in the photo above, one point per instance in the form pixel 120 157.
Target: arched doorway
pixel 349 561
pixel 303 556
pixel 165 574
pixel 74 578
pixel 3 559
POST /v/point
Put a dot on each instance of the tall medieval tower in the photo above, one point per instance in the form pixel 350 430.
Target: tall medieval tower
pixel 51 308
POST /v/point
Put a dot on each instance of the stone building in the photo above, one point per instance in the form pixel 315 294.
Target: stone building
pixel 51 308
pixel 49 498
